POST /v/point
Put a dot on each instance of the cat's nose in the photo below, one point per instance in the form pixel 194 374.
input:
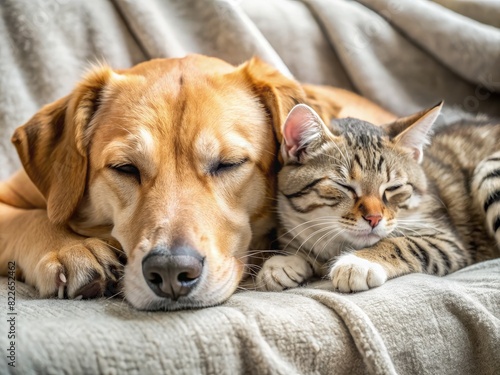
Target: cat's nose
pixel 373 219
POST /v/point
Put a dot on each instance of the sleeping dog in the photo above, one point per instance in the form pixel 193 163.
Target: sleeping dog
pixel 172 163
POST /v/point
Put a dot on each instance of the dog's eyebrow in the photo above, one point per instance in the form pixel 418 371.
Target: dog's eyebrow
pixel 236 146
pixel 209 147
pixel 141 142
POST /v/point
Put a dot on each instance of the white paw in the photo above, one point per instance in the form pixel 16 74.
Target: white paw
pixel 283 272
pixel 351 273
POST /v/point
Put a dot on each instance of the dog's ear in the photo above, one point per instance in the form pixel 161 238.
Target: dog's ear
pixel 53 144
pixel 277 93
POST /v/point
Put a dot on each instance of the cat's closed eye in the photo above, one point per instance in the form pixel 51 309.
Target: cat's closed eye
pixel 394 188
pixel 398 193
pixel 327 190
pixel 347 189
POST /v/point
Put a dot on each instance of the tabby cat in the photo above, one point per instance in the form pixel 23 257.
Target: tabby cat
pixel 366 198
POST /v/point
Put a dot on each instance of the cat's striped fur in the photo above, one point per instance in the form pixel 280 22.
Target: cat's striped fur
pixel 366 193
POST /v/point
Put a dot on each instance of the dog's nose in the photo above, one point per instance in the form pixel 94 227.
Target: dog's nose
pixel 172 274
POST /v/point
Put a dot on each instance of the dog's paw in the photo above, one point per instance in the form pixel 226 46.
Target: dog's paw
pixel 283 272
pixel 82 269
pixel 351 273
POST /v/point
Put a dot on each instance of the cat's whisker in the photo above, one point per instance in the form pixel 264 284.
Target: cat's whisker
pixel 259 251
pixel 252 272
pixel 312 235
pixel 328 242
pixel 419 231
pixel 111 246
pixel 303 242
pixel 329 156
pixel 116 294
pixel 309 222
pixel 333 230
pixel 344 248
pixel 325 223
pixel 318 221
pixel 257 256
pixel 272 199
pixel 416 225
pixel 419 223
pixel 270 153
pixel 346 162
pixel 398 233
pixel 243 289
pixel 415 232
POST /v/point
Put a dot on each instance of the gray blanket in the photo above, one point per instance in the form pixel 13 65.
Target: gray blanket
pixel 404 55
pixel 412 325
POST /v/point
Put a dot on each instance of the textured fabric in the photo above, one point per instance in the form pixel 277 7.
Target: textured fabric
pixel 45 47
pixel 404 55
pixel 415 324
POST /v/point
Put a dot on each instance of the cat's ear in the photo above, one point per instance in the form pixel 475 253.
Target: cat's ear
pixel 413 132
pixel 303 130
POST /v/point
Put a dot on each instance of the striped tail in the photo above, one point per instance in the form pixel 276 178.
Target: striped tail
pixel 486 190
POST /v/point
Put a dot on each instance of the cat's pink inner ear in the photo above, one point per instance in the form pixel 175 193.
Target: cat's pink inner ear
pixel 301 127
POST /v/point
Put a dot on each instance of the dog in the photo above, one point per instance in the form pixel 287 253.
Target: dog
pixel 171 163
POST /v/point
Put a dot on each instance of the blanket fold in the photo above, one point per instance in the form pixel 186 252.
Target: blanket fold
pixel 414 324
pixel 472 52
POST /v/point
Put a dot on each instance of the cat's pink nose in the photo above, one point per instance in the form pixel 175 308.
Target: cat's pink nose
pixel 373 219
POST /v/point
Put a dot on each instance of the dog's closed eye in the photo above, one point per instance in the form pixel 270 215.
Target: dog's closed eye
pixel 222 166
pixel 128 170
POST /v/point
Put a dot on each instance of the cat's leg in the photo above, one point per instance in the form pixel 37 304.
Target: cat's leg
pixel 392 257
pixel 486 191
pixel 283 272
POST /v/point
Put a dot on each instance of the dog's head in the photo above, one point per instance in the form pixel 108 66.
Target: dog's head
pixel 174 158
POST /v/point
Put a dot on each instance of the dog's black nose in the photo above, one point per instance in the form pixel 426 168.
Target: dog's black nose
pixel 172 274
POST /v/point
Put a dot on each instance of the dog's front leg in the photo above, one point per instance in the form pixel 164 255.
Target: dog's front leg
pixel 53 259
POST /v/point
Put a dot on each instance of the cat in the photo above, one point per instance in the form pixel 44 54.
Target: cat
pixel 366 198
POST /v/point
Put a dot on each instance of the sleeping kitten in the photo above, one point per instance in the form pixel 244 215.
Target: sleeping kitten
pixel 366 198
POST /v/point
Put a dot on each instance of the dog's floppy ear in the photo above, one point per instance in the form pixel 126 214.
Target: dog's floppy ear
pixel 52 145
pixel 278 93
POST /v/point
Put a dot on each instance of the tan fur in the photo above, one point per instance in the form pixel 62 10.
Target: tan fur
pixel 173 119
pixel 346 104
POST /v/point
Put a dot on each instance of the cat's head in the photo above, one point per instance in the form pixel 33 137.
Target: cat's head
pixel 355 176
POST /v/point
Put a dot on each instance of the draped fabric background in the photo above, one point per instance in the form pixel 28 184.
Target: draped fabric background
pixel 402 54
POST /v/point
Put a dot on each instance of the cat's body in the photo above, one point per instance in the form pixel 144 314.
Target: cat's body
pixel 360 205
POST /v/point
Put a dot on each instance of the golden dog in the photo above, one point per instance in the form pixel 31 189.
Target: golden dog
pixel 173 161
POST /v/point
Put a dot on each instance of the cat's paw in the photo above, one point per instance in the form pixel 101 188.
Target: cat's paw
pixel 351 273
pixel 282 272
